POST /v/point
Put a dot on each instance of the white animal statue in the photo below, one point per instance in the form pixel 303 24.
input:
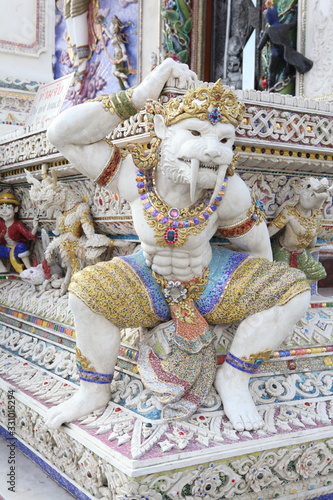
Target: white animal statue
pixel 297 225
pixel 76 242
pixel 181 188
pixel 35 275
pixel 43 276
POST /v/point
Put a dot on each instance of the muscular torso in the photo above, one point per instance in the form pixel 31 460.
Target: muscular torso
pixel 184 262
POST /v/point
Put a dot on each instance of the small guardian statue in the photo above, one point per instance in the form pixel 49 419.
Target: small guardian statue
pixel 297 225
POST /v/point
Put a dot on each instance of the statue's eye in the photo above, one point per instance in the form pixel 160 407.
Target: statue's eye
pixel 195 132
pixel 224 140
pixel 308 186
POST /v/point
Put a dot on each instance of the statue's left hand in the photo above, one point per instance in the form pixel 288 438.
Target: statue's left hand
pixel 170 73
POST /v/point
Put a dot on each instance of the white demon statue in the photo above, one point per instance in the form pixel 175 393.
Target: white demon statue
pixel 76 243
pixel 181 188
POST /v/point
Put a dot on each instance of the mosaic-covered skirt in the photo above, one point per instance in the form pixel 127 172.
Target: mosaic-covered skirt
pixel 125 292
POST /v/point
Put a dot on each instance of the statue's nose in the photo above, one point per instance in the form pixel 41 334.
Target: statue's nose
pixel 212 148
pixel 321 188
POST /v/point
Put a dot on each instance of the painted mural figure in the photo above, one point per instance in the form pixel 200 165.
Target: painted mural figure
pixel 181 187
pixel 14 235
pixel 281 50
pixel 121 65
pixel 76 15
pixel 297 226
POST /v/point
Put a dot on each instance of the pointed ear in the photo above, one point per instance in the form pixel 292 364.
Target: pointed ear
pixel 160 127
pixel 297 188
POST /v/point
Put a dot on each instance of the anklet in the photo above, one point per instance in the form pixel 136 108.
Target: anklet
pixel 259 357
pixel 97 378
pixel 242 365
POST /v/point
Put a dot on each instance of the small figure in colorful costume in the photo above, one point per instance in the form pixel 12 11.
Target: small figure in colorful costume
pixel 181 187
pixel 297 225
pixel 14 235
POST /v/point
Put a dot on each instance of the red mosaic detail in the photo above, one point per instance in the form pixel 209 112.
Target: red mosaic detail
pixel 291 364
pixel 164 376
pixel 192 398
pixel 239 230
pixel 171 235
pixel 110 169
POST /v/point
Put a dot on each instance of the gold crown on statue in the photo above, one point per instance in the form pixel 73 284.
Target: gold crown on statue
pixel 216 104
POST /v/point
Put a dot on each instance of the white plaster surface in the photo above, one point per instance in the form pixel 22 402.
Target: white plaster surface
pixel 31 481
pixel 18 29
pixel 318 41
pixel 150 39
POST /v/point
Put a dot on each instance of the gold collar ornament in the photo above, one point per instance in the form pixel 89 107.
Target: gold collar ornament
pixel 172 225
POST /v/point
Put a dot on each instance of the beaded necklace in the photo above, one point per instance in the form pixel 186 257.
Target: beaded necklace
pixel 172 226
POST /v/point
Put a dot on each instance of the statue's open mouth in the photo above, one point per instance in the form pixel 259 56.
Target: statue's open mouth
pixel 210 166
pixel 197 165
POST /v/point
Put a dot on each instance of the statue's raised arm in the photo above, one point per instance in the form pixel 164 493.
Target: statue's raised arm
pixel 79 132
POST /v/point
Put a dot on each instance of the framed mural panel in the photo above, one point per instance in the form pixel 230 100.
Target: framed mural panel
pixel 108 24
pixel 23 27
pixel 315 34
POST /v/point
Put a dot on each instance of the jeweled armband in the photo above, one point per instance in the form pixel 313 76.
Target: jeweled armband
pixel 119 103
pixel 255 215
pixel 83 51
pixel 280 221
pixel 111 168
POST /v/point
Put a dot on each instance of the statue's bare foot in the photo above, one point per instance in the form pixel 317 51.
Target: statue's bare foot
pixel 85 401
pixel 232 385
